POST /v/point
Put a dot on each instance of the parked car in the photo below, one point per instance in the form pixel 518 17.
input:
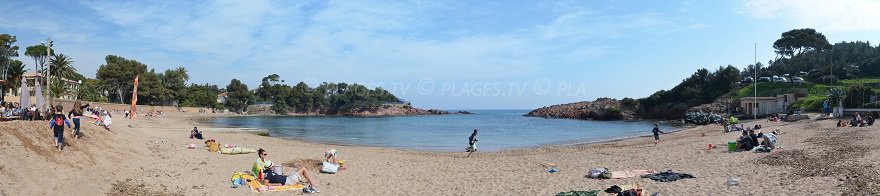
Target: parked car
pixel 779 79
pixel 746 81
pixel 797 80
pixel 764 79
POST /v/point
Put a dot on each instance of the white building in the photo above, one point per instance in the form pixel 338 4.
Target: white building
pixel 766 105
pixel 30 77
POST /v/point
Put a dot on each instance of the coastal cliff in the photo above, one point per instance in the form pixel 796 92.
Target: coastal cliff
pixel 600 109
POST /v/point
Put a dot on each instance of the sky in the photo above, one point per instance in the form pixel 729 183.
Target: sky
pixel 437 54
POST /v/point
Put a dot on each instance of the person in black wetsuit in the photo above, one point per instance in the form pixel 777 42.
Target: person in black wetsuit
pixel 472 143
pixel 657 133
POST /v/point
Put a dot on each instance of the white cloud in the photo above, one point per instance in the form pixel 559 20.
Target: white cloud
pixel 832 16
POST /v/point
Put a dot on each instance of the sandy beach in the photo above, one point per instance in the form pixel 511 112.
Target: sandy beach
pixel 151 158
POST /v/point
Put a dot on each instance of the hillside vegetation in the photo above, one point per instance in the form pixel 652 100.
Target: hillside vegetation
pixel 852 67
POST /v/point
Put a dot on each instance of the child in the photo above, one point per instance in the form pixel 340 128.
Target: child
pixel 57 125
pixel 472 143
pixel 107 120
pixel 657 133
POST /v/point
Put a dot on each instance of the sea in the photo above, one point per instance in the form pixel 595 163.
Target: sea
pixel 498 130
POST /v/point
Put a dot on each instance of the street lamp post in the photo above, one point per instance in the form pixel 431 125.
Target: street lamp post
pixel 755 111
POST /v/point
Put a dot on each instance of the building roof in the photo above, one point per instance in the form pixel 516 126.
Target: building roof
pixel 759 98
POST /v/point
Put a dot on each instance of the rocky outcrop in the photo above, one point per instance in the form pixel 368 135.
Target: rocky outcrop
pixel 600 109
pixel 719 106
pixel 397 111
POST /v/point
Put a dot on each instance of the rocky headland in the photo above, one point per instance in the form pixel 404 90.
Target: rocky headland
pixel 600 109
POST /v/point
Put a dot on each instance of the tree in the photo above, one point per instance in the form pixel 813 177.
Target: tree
pixel 750 70
pixel 57 88
pixel 200 96
pixel 89 90
pixel 38 53
pixel 175 81
pixel 238 96
pixel 151 89
pixel 268 88
pixel 8 49
pixel 798 41
pixel 117 76
pixel 61 67
pixel 15 71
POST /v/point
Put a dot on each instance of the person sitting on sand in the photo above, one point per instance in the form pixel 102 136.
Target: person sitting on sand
pixel 195 134
pixel 271 175
pixel 869 120
pixel 856 120
pixel 657 133
pixel 330 157
pixel 754 137
pixel 744 142
pixel 57 125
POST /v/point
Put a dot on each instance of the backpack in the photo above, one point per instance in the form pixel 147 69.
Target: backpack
pixel 600 172
pixel 59 120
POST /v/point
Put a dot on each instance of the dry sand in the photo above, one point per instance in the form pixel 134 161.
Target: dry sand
pixel 151 158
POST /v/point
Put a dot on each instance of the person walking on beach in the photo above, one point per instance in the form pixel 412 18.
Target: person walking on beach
pixel 76 113
pixel 657 133
pixel 472 143
pixel 56 123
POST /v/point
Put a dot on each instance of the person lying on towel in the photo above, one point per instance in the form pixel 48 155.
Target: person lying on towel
pixel 272 175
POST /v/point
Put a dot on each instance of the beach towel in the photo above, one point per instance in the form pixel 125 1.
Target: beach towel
pixel 259 188
pixel 91 116
pixel 627 190
pixel 578 193
pixel 236 150
pixel 630 173
pixel 667 176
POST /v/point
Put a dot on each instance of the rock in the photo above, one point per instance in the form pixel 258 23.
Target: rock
pixel 600 109
pixel 795 117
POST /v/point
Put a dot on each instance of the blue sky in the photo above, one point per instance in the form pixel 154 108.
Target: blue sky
pixel 438 54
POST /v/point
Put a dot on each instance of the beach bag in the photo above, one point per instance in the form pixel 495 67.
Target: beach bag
pixel 329 168
pixel 600 172
pixel 605 175
pixel 213 146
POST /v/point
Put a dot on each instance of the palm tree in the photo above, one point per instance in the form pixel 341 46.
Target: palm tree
pixel 182 73
pixel 57 88
pixel 61 66
pixel 16 70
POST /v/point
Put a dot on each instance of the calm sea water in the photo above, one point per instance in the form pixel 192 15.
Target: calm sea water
pixel 499 129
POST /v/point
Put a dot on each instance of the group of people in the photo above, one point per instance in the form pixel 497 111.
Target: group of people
pixel 749 139
pixel 32 112
pixel 10 109
pixel 858 121
pixel 58 120
pixel 268 173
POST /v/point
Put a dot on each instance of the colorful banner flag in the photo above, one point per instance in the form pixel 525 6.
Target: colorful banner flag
pixel 134 97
